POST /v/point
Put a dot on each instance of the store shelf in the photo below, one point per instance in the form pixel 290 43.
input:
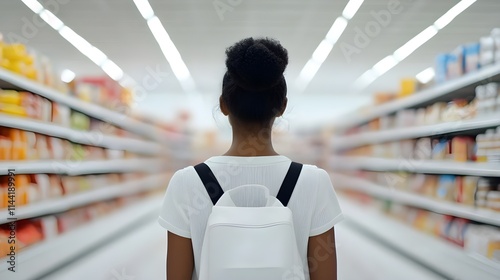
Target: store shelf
pixel 39 259
pixel 84 167
pixel 416 166
pixel 353 141
pixel 419 201
pixel 447 91
pixel 10 80
pixel 445 258
pixel 92 138
pixel 61 204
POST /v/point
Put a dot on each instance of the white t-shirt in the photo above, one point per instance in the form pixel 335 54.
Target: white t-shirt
pixel 313 203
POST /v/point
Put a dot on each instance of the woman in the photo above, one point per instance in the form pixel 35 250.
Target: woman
pixel 253 95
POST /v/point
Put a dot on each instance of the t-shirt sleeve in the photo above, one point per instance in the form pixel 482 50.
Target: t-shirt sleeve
pixel 174 213
pixel 327 210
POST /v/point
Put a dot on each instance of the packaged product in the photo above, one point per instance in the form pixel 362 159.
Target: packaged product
pixel 61 114
pixel 468 188
pixel 407 87
pixel 493 200
pixel 49 227
pixel 446 186
pixel 441 68
pixel 423 149
pixel 462 148
pixel 79 121
pixel 28 232
pixel 487 51
pixel 441 150
pixel 495 33
pixel 55 186
pixel 70 185
pixel 430 186
pixel 455 65
pixel 472 57
pixel 56 148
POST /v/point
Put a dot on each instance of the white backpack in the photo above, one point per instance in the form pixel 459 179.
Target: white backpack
pixel 250 234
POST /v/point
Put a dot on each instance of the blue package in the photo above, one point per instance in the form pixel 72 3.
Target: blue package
pixel 441 68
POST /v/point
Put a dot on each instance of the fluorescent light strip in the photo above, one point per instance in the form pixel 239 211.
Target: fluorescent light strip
pixel 411 46
pixel 448 17
pixel 426 75
pixel 325 47
pixel 351 8
pixel 87 49
pixel 166 45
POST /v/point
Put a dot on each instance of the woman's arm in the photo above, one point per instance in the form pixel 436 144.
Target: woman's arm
pixel 322 256
pixel 180 259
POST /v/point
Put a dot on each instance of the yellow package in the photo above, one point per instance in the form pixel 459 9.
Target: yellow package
pixel 14 110
pixel 10 97
pixel 14 52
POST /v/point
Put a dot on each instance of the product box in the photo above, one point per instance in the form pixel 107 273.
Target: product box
pixel 472 57
pixel 455 65
pixel 441 68
pixel 487 51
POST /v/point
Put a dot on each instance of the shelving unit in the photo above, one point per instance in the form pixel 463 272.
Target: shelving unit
pixel 353 141
pixel 61 204
pixel 74 168
pixel 446 259
pixel 9 80
pixel 442 207
pixel 416 166
pixel 91 138
pixel 41 258
pixel 455 88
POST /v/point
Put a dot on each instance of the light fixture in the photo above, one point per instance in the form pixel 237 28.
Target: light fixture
pixel 326 45
pixel 34 5
pixel 351 8
pixel 322 51
pixel 426 75
pixel 336 30
pixel 113 71
pixel 413 44
pixel 448 17
pixel 51 19
pixel 87 49
pixel 385 65
pixel 144 8
pixel 67 76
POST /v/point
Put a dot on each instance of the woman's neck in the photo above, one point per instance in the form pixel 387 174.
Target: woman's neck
pixel 249 142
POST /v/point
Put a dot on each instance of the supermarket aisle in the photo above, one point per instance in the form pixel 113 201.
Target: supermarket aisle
pixel 140 255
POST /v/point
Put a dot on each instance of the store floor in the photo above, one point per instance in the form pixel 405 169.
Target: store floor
pixel 140 255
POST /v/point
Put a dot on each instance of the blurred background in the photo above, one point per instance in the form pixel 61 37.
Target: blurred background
pixel 101 101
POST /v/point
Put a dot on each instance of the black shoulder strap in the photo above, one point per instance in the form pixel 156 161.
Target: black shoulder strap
pixel 213 187
pixel 289 183
pixel 215 191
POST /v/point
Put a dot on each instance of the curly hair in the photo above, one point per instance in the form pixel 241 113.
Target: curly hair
pixel 254 88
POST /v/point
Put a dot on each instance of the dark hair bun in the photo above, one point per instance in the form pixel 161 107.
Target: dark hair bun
pixel 256 64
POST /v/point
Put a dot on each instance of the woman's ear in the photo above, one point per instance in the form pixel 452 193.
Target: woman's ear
pixel 223 106
pixel 284 107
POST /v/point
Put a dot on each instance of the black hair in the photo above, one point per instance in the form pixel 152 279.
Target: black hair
pixel 254 88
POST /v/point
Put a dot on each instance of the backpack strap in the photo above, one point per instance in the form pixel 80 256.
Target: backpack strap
pixel 289 183
pixel 211 184
pixel 215 191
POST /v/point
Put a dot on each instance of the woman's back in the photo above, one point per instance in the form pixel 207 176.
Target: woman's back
pixel 187 205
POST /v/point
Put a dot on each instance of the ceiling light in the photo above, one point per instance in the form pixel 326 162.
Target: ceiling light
pixel 426 76
pixel 168 48
pixel 415 43
pixel 364 80
pixel 385 65
pixel 67 76
pixel 351 8
pixel 322 51
pixel 51 19
pixel 96 55
pixel 445 19
pixel 336 30
pixel 144 8
pixel 110 68
pixel 34 5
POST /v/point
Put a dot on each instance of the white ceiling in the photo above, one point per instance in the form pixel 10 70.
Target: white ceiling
pixel 117 28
